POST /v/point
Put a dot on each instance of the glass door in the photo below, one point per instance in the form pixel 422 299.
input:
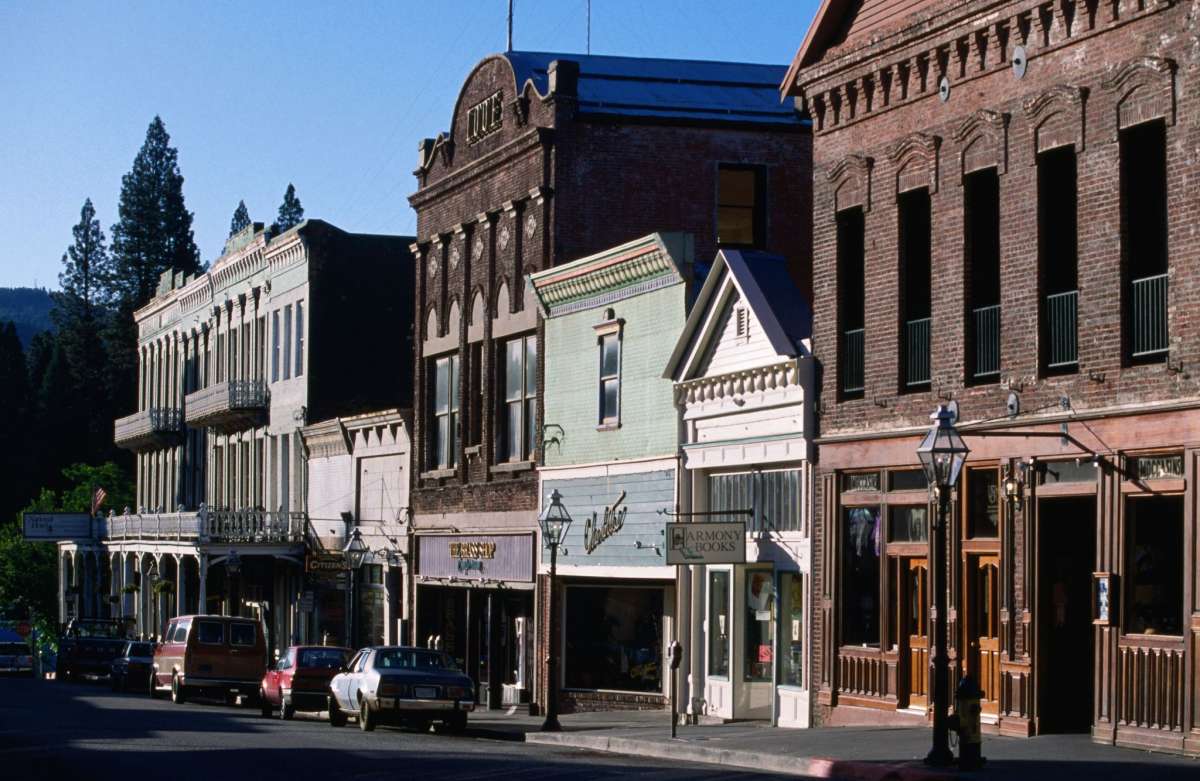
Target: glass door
pixel 916 616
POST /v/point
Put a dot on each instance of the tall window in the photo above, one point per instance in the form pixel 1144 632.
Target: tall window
pixel 610 378
pixel 260 335
pixel 285 471
pixel 774 497
pixel 299 338
pixel 851 300
pixel 475 394
pixel 1154 546
pixel 981 212
pixel 792 614
pixel 860 576
pixel 1058 249
pixel 720 624
pixel 518 441
pixel 915 278
pixel 233 354
pixel 444 423
pixel 740 214
pixel 287 341
pixel 1144 239
pixel 275 346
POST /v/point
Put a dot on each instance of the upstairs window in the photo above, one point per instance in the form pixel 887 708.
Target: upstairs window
pixel 287 342
pixel 519 414
pixel 914 235
pixel 275 346
pixel 444 414
pixel 610 379
pixel 740 210
pixel 1144 239
pixel 299 338
pixel 851 276
pixel 1058 248
pixel 981 213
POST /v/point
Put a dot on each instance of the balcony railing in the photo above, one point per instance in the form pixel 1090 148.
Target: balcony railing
pixel 1062 348
pixel 204 526
pixel 852 360
pixel 916 352
pixel 987 341
pixel 228 406
pixel 1148 316
pixel 148 429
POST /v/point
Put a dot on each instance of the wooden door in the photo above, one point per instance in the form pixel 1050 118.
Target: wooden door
pixel 916 613
pixel 983 627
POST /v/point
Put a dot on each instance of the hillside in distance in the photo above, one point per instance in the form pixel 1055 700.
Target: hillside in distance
pixel 29 308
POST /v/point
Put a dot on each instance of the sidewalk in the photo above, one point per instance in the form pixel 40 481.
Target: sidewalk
pixel 849 753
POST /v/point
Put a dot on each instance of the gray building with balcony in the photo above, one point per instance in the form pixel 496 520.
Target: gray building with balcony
pixel 283 329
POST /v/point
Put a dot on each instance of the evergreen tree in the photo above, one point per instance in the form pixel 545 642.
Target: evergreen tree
pixel 14 400
pixel 291 213
pixel 241 218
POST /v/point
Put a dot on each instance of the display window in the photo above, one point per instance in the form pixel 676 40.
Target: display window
pixel 759 650
pixel 861 545
pixel 613 637
pixel 719 623
pixel 791 588
pixel 1154 549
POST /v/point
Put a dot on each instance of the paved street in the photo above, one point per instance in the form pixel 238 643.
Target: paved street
pixel 81 730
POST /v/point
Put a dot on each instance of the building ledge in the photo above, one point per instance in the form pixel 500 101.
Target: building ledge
pixel 510 467
pixel 439 474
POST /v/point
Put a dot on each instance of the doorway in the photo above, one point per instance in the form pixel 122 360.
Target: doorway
pixel 982 578
pixel 1065 561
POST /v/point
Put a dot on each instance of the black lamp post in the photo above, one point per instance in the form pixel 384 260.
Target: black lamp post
pixel 554 520
pixel 355 551
pixel 942 454
pixel 233 565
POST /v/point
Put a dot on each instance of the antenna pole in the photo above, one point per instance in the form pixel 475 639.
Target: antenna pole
pixel 510 14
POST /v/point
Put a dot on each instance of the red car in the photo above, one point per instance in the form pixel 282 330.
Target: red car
pixel 300 680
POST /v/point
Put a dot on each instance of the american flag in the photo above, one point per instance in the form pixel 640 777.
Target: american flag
pixel 98 499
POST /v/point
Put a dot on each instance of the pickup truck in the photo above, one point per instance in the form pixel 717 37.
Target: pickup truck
pixel 89 646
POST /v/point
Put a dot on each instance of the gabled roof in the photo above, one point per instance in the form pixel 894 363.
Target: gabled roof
pixel 763 282
pixel 845 21
pixel 678 89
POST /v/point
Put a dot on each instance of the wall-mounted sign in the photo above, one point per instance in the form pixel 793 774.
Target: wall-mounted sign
pixel 476 557
pixel 706 543
pixel 596 532
pixel 327 564
pixel 473 550
pixel 1159 467
pixel 1104 598
pixel 57 526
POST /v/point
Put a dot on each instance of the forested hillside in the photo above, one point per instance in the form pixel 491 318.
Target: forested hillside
pixel 29 308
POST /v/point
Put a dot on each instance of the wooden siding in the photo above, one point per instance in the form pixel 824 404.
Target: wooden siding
pixel 877 15
pixel 729 352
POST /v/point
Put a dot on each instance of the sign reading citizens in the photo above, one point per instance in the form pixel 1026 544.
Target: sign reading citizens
pixel 706 543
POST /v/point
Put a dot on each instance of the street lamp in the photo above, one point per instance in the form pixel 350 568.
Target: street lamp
pixel 554 520
pixel 942 454
pixel 355 551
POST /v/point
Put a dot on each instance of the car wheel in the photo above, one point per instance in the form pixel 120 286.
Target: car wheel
pixel 178 690
pixel 336 717
pixel 457 723
pixel 152 687
pixel 286 710
pixel 366 718
pixel 264 704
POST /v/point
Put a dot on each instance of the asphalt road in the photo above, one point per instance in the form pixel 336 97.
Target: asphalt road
pixel 52 730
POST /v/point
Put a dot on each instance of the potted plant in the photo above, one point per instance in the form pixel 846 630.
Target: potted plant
pixel 130 588
pixel 162 587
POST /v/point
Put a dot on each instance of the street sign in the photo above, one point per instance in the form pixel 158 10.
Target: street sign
pixel 57 526
pixel 706 543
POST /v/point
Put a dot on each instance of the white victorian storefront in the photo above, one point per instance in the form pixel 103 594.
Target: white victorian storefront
pixel 743 375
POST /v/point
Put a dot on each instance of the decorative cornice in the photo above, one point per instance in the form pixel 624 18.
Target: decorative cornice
pixel 756 380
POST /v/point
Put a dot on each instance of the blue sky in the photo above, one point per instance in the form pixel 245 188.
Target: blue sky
pixel 332 96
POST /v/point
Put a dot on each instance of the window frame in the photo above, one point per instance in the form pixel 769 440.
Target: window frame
pixel 525 400
pixel 443 448
pixel 287 341
pixel 604 380
pixel 758 209
pixel 299 359
pixel 275 345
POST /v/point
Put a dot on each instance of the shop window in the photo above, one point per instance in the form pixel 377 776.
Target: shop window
pixel 908 524
pixel 518 431
pixel 860 576
pixel 740 212
pixel 860 481
pixel 1075 471
pixel 907 480
pixel 443 447
pixel 1154 565
pixel 983 503
pixel 718 623
pixel 759 650
pixel 981 211
pixel 775 497
pixel 792 664
pixel 613 638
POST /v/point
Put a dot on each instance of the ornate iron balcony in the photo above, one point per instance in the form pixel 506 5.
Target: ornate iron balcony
pixel 149 429
pixel 209 526
pixel 228 406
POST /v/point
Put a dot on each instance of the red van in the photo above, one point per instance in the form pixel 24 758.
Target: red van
pixel 214 655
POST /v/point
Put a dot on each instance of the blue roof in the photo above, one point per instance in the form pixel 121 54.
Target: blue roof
pixel 667 89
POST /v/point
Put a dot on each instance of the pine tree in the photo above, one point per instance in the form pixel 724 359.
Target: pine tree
pixel 291 213
pixel 241 218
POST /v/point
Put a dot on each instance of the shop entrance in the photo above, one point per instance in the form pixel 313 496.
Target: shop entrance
pixel 912 609
pixel 983 627
pixel 1065 561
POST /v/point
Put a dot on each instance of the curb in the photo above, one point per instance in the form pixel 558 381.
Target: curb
pixel 803 767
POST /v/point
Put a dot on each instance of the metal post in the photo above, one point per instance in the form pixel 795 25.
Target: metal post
pixel 940 754
pixel 350 613
pixel 551 723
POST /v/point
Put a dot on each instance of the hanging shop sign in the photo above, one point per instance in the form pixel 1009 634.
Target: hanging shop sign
pixel 706 543
pixel 470 557
pixel 596 531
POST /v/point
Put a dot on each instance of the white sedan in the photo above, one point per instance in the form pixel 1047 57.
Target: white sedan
pixel 414 686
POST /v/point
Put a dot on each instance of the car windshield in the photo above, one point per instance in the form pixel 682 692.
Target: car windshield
pixel 409 659
pixel 106 630
pixel 326 658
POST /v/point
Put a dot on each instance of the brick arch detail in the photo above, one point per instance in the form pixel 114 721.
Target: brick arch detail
pixel 1144 89
pixel 983 142
pixel 915 163
pixel 1057 118
pixel 851 182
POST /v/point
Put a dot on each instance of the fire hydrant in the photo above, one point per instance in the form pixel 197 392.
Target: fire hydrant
pixel 965 722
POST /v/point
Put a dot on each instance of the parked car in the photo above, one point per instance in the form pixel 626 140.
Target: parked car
pixel 132 668
pixel 300 680
pixel 16 658
pixel 209 655
pixel 89 645
pixel 397 684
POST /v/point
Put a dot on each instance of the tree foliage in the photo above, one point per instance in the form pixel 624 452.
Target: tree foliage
pixel 241 218
pixel 14 401
pixel 291 213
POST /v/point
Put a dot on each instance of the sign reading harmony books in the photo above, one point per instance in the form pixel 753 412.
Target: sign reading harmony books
pixel 706 543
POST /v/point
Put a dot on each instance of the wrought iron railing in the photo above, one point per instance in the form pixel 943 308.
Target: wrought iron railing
pixel 916 352
pixel 205 525
pixel 853 346
pixel 1062 347
pixel 231 396
pixel 147 423
pixel 1148 315
pixel 987 341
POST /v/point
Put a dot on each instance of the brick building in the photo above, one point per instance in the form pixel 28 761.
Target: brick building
pixel 1005 216
pixel 551 158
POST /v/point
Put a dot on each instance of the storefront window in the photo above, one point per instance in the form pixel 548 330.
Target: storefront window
pixel 718 623
pixel 760 625
pixel 371 599
pixel 1154 565
pixel 860 576
pixel 983 503
pixel 614 638
pixel 792 590
pixel 775 497
pixel 908 524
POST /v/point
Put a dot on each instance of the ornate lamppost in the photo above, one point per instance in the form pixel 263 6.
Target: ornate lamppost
pixel 942 454
pixel 355 551
pixel 554 520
